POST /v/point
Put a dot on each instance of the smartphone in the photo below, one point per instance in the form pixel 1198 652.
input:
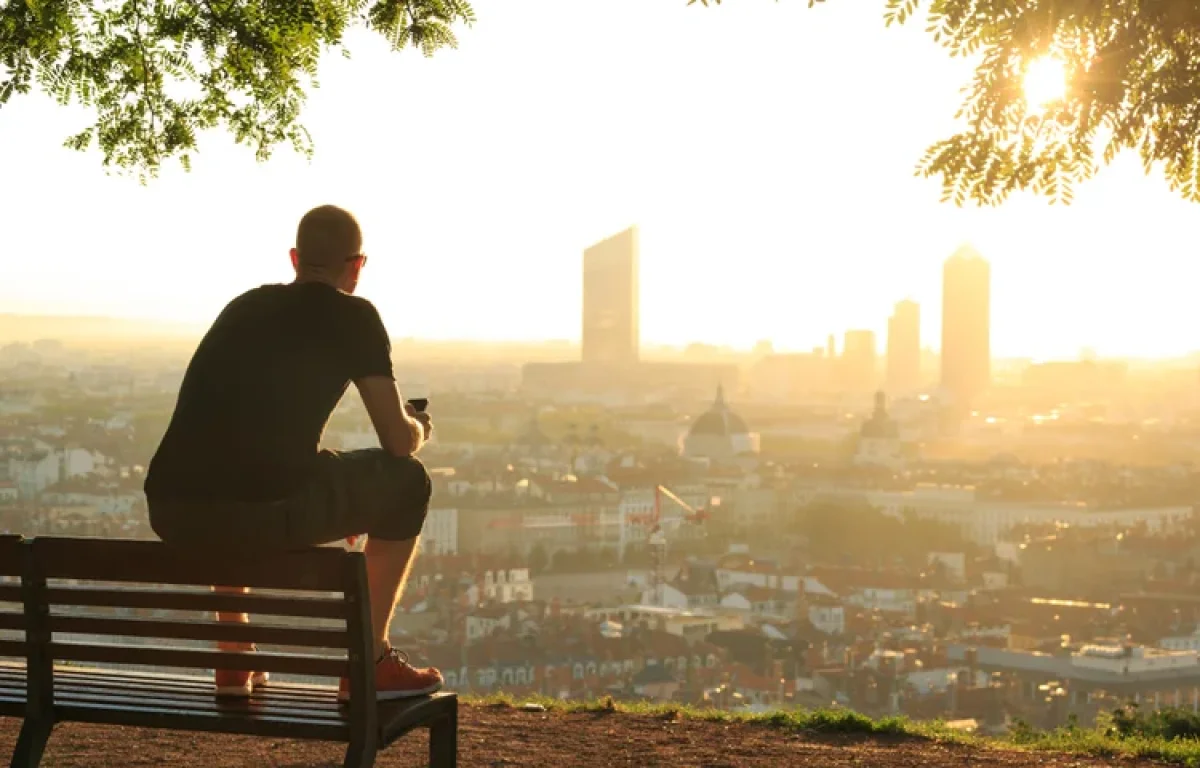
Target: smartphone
pixel 419 404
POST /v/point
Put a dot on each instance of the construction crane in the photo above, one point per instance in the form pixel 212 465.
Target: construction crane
pixel 658 534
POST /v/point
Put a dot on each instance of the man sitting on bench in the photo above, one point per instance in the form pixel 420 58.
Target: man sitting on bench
pixel 239 471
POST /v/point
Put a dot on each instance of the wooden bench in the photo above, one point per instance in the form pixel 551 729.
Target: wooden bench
pixel 12 628
pixel 114 602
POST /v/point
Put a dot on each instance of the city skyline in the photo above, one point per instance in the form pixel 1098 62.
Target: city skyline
pixel 805 225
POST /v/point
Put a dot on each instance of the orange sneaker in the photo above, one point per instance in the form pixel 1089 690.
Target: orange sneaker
pixel 233 683
pixel 238 682
pixel 395 678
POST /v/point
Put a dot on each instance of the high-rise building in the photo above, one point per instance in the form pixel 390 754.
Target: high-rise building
pixel 858 361
pixel 904 348
pixel 610 300
pixel 966 326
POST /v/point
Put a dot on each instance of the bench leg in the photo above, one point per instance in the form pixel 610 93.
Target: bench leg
pixel 443 742
pixel 361 753
pixel 31 743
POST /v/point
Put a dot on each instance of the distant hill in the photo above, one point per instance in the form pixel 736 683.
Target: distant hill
pixel 66 328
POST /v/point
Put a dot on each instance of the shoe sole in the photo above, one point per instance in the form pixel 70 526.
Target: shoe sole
pixel 243 692
pixel 398 695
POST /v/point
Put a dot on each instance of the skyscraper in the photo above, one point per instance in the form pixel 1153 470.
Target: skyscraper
pixel 858 361
pixel 610 300
pixel 904 348
pixel 966 326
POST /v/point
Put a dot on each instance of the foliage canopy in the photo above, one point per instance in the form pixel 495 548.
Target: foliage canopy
pixel 157 72
pixel 1132 82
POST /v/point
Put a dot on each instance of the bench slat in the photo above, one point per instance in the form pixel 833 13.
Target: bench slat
pixel 203 694
pixel 151 562
pixel 202 721
pixel 66 679
pixel 72 678
pixel 128 678
pixel 156 656
pixel 320 712
pixel 213 631
pixel 166 600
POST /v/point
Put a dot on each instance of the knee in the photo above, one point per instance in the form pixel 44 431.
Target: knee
pixel 424 482
pixel 419 480
pixel 410 489
pixel 414 480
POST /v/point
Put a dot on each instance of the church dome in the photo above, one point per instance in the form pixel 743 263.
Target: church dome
pixel 719 433
pixel 719 421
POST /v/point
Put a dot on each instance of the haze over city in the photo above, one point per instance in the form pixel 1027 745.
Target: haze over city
pixel 767 161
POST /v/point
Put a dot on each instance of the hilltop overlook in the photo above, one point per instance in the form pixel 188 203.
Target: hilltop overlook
pixel 493 734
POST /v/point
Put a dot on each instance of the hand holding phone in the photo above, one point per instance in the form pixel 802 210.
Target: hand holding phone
pixel 419 404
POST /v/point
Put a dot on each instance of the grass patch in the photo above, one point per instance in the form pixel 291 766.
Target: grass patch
pixel 816 721
pixel 1168 736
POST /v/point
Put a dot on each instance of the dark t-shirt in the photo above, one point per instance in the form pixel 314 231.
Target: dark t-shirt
pixel 259 391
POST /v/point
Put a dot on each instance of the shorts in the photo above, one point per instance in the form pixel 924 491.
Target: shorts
pixel 349 493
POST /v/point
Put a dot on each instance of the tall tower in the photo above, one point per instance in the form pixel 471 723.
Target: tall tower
pixel 610 300
pixel 858 361
pixel 966 326
pixel 904 348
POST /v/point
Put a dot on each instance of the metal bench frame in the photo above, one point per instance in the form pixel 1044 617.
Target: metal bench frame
pixel 59 693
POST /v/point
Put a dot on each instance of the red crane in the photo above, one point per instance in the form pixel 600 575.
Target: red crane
pixel 658 537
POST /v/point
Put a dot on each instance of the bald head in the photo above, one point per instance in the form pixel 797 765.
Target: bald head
pixel 327 238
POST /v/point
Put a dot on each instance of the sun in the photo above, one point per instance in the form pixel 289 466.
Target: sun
pixel 1045 81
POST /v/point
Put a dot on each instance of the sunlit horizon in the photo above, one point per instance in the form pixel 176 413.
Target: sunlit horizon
pixel 773 204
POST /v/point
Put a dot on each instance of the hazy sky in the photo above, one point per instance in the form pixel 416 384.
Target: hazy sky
pixel 765 149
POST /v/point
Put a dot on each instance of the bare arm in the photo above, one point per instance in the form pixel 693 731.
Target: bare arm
pixel 399 433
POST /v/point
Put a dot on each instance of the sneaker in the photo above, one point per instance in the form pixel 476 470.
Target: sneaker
pixel 395 678
pixel 237 682
pixel 234 683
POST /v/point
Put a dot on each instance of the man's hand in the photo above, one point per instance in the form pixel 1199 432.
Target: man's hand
pixel 421 417
pixel 400 432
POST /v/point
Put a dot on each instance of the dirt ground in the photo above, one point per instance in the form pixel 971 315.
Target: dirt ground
pixel 493 737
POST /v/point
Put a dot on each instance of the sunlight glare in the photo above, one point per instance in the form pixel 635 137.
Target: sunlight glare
pixel 1045 81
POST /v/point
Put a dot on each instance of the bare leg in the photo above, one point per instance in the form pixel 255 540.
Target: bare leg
pixel 388 563
pixel 235 682
pixel 240 618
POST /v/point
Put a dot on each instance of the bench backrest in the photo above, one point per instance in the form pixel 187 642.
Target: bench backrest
pixel 121 602
pixel 12 616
